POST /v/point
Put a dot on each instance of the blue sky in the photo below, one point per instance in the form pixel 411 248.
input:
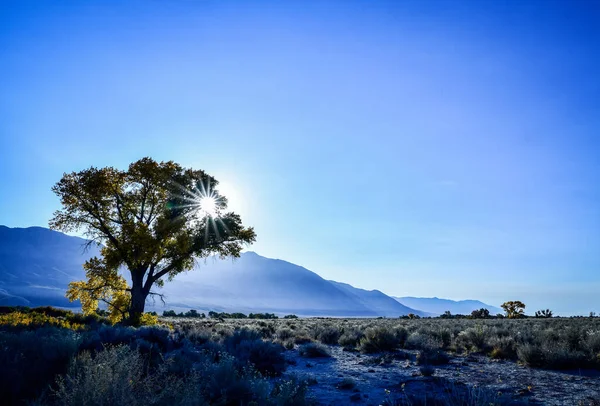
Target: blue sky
pixel 423 148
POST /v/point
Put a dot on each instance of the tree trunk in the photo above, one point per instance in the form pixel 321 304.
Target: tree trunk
pixel 138 299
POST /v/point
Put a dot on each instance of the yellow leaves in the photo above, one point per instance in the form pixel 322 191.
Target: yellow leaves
pixel 147 319
pixel 21 319
pixel 103 284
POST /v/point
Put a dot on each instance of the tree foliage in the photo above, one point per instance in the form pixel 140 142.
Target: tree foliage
pixel 514 309
pixel 150 221
pixel 480 314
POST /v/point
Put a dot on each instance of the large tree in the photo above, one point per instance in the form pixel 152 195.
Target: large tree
pixel 153 220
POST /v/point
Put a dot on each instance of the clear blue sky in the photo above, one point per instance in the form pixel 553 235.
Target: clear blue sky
pixel 424 148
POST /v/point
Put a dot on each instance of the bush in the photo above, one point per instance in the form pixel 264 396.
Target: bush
pixel 30 360
pixel 427 370
pixel 503 348
pixel 475 338
pixel 314 350
pixel 378 339
pixel 346 384
pixel 291 392
pixel 432 357
pixel 37 319
pixel 350 338
pixel 423 341
pixel 247 346
pixel 326 334
pixel 284 334
pixel 531 355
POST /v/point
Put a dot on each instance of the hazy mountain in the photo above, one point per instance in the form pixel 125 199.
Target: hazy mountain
pixel 253 283
pixel 438 306
pixel 37 264
pixel 378 301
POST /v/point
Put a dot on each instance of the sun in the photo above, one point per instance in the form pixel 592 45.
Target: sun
pixel 208 205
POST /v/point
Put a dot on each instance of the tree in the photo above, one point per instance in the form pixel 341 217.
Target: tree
pixel 543 313
pixel 154 220
pixel 480 314
pixel 514 309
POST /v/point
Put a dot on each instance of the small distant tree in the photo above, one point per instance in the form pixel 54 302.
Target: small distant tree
pixel 446 315
pixel 152 219
pixel 514 309
pixel 592 315
pixel 480 314
pixel 543 313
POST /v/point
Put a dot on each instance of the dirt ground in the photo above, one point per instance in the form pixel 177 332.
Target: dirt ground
pixel 351 377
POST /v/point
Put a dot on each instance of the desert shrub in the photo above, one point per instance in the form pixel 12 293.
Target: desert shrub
pixel 225 383
pixel 378 339
pixel 96 340
pixel 119 376
pixel 592 342
pixel 290 392
pixel 427 370
pixel 423 341
pixel 346 384
pixel 432 357
pixel 266 356
pixel 267 330
pixel 560 357
pixel 30 360
pixel 327 334
pixel 401 335
pixel 284 334
pixel 302 339
pixel 160 336
pixel 350 338
pixel 52 311
pixel 243 334
pixel 33 320
pixel 148 319
pixel 531 355
pixel 314 350
pixel 247 346
pixel 474 338
pixel 503 348
pixel 197 335
pixel 573 337
pixel 444 336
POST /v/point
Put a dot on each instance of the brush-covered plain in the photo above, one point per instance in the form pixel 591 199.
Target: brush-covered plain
pixel 50 357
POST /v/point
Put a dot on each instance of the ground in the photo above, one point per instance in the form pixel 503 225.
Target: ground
pixel 376 374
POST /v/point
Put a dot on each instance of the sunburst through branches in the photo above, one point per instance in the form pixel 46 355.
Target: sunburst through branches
pixel 203 205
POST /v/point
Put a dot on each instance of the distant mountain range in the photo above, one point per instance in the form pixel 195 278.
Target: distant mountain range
pixel 439 306
pixel 36 265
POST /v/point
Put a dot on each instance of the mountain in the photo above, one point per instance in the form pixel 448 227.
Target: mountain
pixel 378 301
pixel 37 264
pixel 438 306
pixel 253 283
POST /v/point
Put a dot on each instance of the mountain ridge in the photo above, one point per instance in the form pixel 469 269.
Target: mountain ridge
pixel 438 306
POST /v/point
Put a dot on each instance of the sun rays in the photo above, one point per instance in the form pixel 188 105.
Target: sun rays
pixel 203 204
